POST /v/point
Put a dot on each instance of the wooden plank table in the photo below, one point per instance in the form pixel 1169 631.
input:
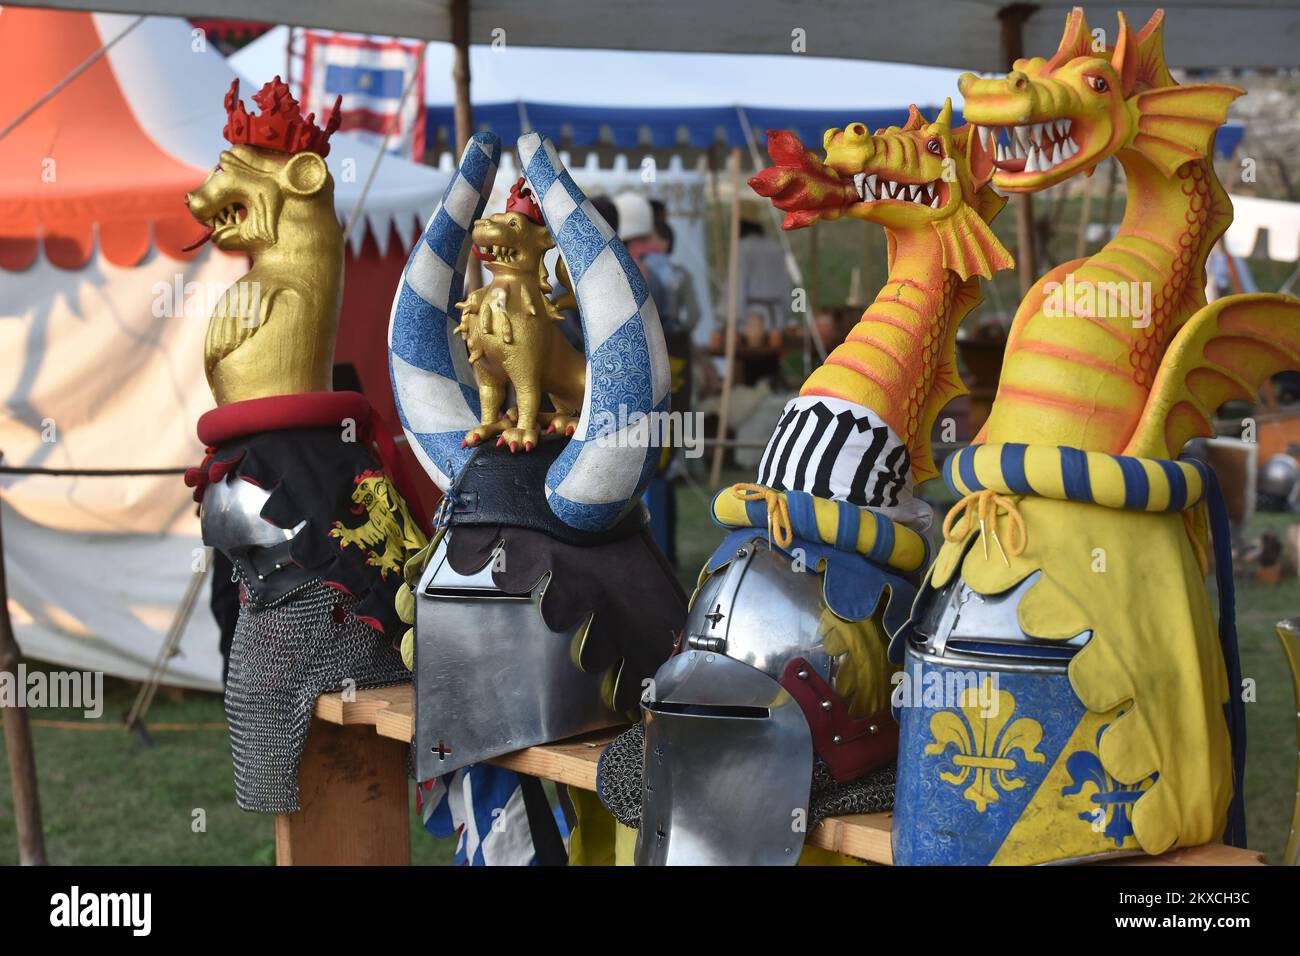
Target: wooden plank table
pixel 355 791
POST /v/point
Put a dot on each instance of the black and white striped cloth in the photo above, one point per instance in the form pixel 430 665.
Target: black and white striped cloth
pixel 835 449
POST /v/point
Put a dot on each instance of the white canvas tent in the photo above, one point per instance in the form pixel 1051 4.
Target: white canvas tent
pixel 102 370
pixel 1277 219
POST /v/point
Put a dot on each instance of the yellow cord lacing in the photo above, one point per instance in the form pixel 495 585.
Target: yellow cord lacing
pixel 778 511
pixel 986 507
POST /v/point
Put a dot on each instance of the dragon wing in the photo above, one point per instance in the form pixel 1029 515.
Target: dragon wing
pixel 1225 351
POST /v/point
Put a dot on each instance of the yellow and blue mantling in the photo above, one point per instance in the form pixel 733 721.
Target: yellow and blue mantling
pixel 1141 747
pixel 1070 474
pixel 831 522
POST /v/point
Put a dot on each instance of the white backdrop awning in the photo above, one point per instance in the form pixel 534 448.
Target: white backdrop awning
pixel 965 34
pixel 1277 219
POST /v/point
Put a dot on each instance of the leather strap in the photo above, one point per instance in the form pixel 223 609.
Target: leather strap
pixel 849 746
pixel 548 843
pixel 498 487
pixel 269 573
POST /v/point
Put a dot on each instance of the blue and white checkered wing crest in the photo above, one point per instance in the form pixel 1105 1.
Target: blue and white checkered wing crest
pixel 433 384
pixel 609 461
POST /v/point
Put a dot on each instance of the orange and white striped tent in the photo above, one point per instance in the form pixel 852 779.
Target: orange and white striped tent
pixel 103 317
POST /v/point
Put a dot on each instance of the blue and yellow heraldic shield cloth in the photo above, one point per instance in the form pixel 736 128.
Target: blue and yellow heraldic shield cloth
pixel 1115 730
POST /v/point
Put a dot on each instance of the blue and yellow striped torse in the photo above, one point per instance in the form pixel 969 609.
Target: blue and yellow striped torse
pixel 1071 474
pixel 839 524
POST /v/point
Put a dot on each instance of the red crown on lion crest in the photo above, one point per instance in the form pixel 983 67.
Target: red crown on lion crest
pixel 280 125
pixel 521 201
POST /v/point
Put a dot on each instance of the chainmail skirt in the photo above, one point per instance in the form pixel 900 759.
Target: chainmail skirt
pixel 283 657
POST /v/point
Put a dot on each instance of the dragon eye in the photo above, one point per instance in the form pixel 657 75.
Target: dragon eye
pixel 1098 84
pixel 934 147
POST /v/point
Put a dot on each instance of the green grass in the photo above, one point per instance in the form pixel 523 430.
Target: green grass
pixel 108 799
pixel 1271 718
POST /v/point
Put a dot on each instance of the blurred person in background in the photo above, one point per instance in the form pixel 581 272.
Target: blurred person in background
pixel 763 292
pixel 637 230
pixel 679 280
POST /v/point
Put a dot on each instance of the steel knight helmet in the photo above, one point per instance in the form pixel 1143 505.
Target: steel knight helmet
pixel 774 712
pixel 542 603
pixel 769 685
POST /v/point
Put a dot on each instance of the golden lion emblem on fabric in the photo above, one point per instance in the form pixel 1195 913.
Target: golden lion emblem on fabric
pixel 388 533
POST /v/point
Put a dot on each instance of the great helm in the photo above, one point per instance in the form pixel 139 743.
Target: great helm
pixel 544 602
pixel 736 718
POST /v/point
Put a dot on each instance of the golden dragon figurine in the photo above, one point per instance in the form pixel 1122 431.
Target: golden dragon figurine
pixel 927 185
pixel 511 327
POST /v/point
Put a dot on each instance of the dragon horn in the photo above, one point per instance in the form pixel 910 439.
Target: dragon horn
pixel 603 471
pixel 433 384
pixel 1076 41
pixel 1152 71
pixel 1125 56
pixel 944 118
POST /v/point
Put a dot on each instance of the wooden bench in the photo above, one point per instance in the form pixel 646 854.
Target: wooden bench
pixel 355 791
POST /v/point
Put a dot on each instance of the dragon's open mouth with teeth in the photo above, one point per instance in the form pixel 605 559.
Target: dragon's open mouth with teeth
pixel 899 176
pixel 877 187
pixel 1031 147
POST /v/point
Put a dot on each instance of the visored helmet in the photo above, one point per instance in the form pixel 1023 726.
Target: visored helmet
pixel 767 681
pixel 1279 484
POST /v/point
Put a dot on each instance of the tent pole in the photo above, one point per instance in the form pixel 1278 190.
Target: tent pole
pixel 18 745
pixel 464 113
pixel 460 72
pixel 1012 19
pixel 733 305
pixel 719 218
pixel 170 647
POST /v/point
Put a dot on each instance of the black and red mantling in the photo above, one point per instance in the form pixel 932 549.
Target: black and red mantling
pixel 308 451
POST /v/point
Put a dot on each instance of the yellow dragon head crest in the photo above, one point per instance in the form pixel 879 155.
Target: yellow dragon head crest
pixel 920 176
pixel 1048 120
